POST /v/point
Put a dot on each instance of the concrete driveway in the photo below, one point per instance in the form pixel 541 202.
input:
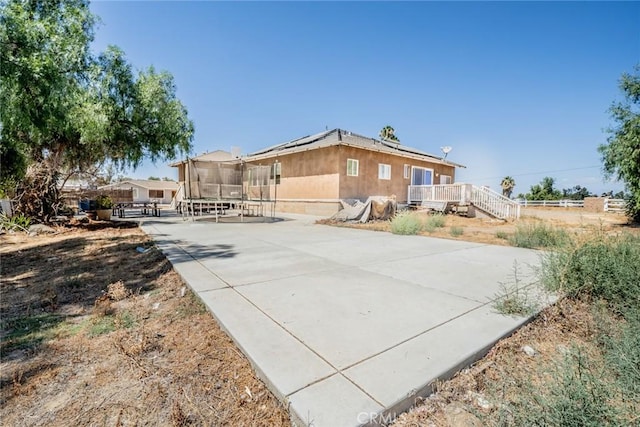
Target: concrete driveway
pixel 348 326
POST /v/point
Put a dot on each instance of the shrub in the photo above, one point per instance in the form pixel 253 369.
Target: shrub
pixel 622 354
pixel 406 223
pixel 578 394
pixel 433 222
pixel 456 231
pixel 604 267
pixel 103 201
pixel 16 222
pixel 514 299
pixel 538 235
pixel 502 235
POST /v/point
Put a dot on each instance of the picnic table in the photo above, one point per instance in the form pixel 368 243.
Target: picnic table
pixel 145 208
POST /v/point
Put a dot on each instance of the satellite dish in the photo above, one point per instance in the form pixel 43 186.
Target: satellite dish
pixel 446 149
pixel 236 152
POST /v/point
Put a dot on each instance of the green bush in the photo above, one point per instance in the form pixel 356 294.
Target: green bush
pixel 606 267
pixel 513 298
pixel 622 354
pixel 538 235
pixel 103 201
pixel 16 222
pixel 433 222
pixel 600 386
pixel 502 235
pixel 406 223
pixel 456 231
pixel 578 394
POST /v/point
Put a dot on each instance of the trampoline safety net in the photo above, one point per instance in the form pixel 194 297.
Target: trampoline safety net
pixel 227 181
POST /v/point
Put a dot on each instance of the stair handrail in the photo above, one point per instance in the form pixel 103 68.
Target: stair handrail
pixel 494 203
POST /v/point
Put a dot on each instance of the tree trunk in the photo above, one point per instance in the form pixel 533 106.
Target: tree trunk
pixel 38 195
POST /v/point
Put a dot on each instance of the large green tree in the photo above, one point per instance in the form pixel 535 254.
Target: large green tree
pixel 64 109
pixel 543 191
pixel 621 153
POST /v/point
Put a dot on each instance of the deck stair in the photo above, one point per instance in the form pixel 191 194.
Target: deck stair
pixel 481 198
pixel 434 205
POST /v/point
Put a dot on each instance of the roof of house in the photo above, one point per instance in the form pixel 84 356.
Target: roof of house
pixel 216 156
pixel 144 183
pixel 341 137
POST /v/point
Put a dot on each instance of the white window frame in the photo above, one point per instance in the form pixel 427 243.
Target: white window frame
pixel 384 171
pixel 444 178
pixel 407 171
pixel 134 193
pixel 423 169
pixel 353 166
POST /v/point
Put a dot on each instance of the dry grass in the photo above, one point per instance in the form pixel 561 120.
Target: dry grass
pixel 487 231
pixel 499 376
pixel 97 333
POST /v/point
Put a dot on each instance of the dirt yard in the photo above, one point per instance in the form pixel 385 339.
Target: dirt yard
pixel 495 232
pixel 97 329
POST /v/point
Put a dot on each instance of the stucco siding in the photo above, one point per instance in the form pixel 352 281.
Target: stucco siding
pixel 368 183
pixel 309 187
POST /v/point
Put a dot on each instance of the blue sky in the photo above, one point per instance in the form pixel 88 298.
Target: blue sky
pixel 516 88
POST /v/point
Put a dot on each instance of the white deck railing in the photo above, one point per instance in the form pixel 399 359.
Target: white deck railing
pixel 440 193
pixel 483 198
pixel 494 203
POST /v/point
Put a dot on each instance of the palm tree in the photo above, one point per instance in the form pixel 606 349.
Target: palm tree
pixel 387 133
pixel 507 184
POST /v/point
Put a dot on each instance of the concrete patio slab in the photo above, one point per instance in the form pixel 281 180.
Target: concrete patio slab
pixel 372 247
pixel 347 315
pixel 437 353
pixel 347 326
pixel 476 273
pixel 290 365
pixel 333 402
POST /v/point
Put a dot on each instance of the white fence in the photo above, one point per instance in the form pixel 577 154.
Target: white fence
pixel 615 205
pixel 610 205
pixel 552 203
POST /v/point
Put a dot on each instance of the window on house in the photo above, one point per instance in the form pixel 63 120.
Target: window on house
pixel 276 172
pixel 384 171
pixel 421 176
pixel 407 171
pixel 259 176
pixel 352 167
pixel 445 179
pixel 156 194
pixel 134 193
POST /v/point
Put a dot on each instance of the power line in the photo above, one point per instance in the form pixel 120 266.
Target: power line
pixel 535 173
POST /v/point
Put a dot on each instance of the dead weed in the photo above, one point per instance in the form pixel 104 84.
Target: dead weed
pixel 124 343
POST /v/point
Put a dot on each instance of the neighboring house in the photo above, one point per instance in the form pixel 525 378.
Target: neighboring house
pixel 311 174
pixel 77 184
pixel 147 190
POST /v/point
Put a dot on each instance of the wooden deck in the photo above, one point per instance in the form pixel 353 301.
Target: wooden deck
pixel 482 198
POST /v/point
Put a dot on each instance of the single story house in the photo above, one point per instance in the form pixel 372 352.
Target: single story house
pixel 311 174
pixel 147 190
